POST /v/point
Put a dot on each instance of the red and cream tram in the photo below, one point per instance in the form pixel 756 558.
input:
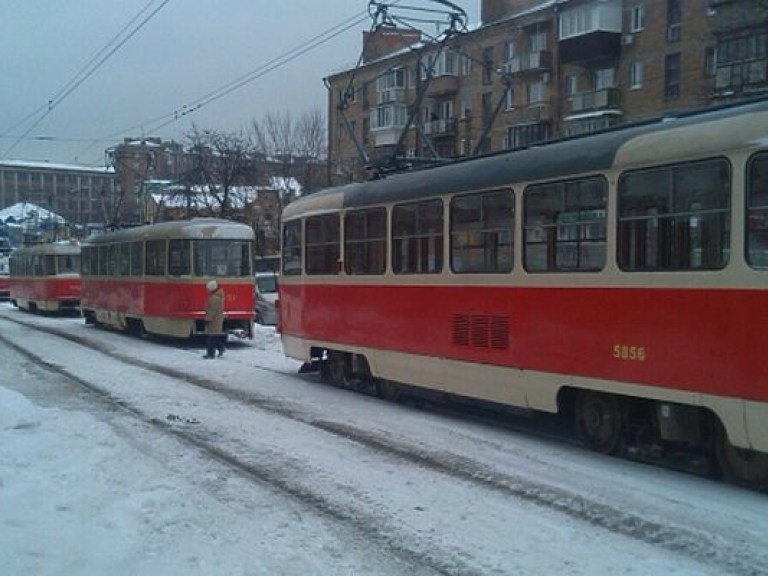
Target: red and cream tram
pixel 152 278
pixel 46 277
pixel 5 278
pixel 620 279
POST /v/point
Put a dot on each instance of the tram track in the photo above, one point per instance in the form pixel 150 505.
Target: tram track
pixel 735 557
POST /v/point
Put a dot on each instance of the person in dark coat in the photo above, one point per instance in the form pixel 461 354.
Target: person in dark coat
pixel 214 320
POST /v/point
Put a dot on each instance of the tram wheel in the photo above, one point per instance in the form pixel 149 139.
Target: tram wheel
pixel 599 421
pixel 740 465
pixel 338 369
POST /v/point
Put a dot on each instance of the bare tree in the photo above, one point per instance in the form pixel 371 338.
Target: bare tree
pixel 312 136
pixel 220 162
pixel 293 150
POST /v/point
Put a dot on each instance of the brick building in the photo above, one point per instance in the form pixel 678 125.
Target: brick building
pixel 537 70
pixel 82 195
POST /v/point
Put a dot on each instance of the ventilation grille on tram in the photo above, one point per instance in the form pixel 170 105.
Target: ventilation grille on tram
pixel 481 331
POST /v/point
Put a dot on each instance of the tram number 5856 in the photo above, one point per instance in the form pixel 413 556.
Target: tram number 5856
pixel 627 352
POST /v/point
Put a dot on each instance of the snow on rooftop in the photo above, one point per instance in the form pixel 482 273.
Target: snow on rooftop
pixel 26 210
pixel 31 164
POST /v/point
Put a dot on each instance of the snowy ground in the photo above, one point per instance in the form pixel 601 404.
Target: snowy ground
pixel 88 488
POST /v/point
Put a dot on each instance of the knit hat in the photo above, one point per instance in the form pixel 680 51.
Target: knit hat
pixel 212 285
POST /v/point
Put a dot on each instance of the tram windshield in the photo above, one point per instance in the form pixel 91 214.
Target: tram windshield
pixel 222 258
pixel 60 264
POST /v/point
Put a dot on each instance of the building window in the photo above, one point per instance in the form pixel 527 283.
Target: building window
pixel 465 109
pixel 537 42
pixel 742 63
pixel 672 74
pixel 605 78
pixel 482 232
pixel 710 61
pixel 466 64
pixel 571 84
pixel 323 244
pixel 389 116
pixel 525 135
pixel 536 93
pixel 509 50
pixel 442 63
pixel 757 212
pixel 637 22
pixel 674 20
pixel 365 241
pixel 417 238
pixel 509 98
pixel 565 226
pixel 675 217
pixel 392 78
pixel 636 75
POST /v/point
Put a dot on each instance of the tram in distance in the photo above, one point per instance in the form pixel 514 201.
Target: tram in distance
pixel 5 275
pixel 619 279
pixel 5 278
pixel 46 277
pixel 151 279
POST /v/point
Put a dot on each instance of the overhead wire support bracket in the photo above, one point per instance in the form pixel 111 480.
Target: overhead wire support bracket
pixel 454 22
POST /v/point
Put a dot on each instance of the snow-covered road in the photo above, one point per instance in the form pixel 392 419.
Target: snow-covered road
pixel 138 456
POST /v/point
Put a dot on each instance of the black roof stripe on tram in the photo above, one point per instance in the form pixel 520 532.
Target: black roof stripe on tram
pixel 579 155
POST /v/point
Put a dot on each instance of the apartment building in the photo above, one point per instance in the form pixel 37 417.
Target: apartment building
pixel 534 71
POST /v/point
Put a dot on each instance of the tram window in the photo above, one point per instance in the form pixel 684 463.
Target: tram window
pixel 482 232
pixel 323 244
pixel 49 265
pixel 85 261
pixel 113 260
pixel 103 260
pixel 123 267
pixel 757 211
pixel 293 247
pixel 222 258
pixel 675 217
pixel 137 262
pixel 179 257
pixel 68 264
pixel 417 238
pixel 365 241
pixel 155 257
pixel 565 226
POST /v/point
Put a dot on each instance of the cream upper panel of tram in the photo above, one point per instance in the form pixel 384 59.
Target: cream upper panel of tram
pixel 716 138
pixel 331 200
pixel 197 228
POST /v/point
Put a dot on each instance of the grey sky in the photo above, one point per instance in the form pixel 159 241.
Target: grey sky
pixel 189 49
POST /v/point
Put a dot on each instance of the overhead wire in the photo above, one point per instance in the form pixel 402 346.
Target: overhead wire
pixel 164 120
pixel 98 60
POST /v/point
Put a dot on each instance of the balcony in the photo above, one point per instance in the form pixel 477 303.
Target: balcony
pixel 387 123
pixel 441 127
pixel 529 62
pixel 443 85
pixel 392 95
pixel 531 114
pixel 590 32
pixel 604 99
